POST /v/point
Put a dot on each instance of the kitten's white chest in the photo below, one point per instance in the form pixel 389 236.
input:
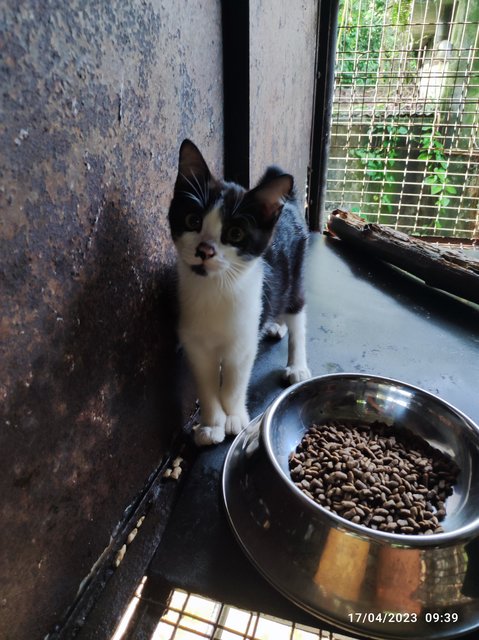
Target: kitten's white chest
pixel 217 313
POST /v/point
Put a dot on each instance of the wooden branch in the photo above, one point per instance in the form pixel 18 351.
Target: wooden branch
pixel 446 269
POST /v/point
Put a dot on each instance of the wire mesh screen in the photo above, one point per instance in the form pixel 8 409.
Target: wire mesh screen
pixel 192 617
pixel 188 616
pixel 405 131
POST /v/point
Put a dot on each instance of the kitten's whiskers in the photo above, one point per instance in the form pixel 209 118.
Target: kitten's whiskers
pixel 230 275
pixel 193 197
pixel 198 193
pixel 202 190
pixel 238 200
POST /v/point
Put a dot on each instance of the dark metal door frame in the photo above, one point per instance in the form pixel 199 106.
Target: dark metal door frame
pixel 322 110
pixel 236 90
pixel 236 104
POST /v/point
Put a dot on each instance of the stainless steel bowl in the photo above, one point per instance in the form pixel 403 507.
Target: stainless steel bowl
pixel 373 583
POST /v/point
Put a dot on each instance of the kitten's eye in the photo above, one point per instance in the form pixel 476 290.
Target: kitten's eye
pixel 235 234
pixel 193 222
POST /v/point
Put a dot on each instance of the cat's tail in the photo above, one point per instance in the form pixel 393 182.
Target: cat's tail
pixel 273 171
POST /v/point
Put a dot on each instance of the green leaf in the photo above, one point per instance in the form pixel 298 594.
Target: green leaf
pixel 440 173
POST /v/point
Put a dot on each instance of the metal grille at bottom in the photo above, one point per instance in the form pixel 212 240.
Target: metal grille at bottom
pixel 192 617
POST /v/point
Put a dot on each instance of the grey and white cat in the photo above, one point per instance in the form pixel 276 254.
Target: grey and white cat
pixel 240 271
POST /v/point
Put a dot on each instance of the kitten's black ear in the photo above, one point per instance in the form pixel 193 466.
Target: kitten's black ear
pixel 271 196
pixel 191 164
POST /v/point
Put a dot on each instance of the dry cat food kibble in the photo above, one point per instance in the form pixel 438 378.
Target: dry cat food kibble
pixel 375 475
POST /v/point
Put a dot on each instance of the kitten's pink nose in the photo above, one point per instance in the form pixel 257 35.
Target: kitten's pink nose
pixel 205 251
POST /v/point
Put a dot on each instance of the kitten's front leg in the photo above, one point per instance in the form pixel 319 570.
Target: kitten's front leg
pixel 206 370
pixel 236 372
pixel 297 369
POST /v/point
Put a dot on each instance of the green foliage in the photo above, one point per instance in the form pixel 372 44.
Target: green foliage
pixel 365 46
pixel 432 152
pixel 379 161
pixel 401 12
pixel 380 164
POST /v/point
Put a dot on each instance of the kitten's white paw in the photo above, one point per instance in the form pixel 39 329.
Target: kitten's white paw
pixel 236 423
pixel 296 374
pixel 275 330
pixel 204 436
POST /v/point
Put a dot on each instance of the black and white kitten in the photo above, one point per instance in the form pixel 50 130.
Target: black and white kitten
pixel 240 267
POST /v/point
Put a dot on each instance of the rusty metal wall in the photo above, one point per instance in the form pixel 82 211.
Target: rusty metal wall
pixel 282 50
pixel 96 97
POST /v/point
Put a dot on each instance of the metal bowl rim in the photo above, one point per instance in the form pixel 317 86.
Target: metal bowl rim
pixel 396 539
